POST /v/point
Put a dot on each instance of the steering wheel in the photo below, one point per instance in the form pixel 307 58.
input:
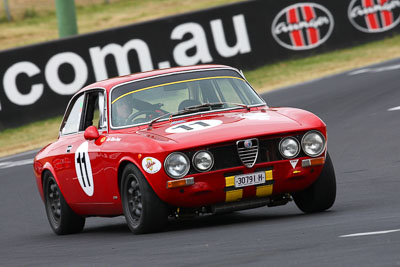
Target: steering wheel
pixel 148 113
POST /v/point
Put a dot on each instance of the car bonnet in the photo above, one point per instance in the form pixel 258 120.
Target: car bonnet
pixel 214 128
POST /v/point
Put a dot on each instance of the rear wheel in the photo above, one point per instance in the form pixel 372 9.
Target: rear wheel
pixel 143 210
pixel 321 194
pixel 62 219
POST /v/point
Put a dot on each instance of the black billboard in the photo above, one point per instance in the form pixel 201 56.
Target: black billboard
pixel 37 81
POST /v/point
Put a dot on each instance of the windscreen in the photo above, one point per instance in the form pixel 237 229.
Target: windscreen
pixel 142 101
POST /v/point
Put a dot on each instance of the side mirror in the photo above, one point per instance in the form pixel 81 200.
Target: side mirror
pixel 91 133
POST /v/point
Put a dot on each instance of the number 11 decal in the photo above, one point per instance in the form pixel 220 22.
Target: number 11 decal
pixel 193 126
pixel 84 169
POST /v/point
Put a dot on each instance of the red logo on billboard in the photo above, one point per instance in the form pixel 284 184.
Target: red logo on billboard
pixel 302 26
pixel 374 15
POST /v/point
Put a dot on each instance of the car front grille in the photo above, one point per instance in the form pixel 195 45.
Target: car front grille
pixel 227 156
pixel 235 155
pixel 248 151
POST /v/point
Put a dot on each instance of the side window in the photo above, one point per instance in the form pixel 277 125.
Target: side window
pixel 95 111
pixel 72 118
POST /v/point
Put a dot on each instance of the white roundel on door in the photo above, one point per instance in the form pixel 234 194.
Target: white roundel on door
pixel 84 169
pixel 193 126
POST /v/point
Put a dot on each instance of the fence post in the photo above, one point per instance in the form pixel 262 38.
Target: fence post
pixel 7 9
pixel 66 17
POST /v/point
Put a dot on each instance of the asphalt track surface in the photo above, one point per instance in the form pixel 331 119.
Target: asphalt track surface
pixel 364 144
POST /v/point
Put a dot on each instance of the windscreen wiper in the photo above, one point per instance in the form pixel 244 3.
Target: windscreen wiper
pixel 170 114
pixel 210 106
pixel 205 106
pixel 237 104
pixel 192 109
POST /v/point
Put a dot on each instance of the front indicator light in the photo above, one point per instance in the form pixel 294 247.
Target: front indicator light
pixel 312 162
pixel 180 183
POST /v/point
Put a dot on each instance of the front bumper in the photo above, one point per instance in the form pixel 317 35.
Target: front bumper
pixel 205 189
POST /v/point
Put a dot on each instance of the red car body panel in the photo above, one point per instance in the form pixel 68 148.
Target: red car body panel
pixel 116 147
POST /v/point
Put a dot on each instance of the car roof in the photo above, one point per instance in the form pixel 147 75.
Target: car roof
pixel 110 83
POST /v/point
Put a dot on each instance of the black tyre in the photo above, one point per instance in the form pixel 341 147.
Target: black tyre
pixel 143 210
pixel 321 194
pixel 62 219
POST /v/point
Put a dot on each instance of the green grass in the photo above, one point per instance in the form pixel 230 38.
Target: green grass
pixel 30 13
pixel 294 71
pixel 37 22
pixel 28 137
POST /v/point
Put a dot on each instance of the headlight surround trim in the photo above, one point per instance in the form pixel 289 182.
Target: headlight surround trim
pixel 298 147
pixel 167 164
pixel 194 160
pixel 307 134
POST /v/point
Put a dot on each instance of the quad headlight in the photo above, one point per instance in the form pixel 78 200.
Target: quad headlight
pixel 313 143
pixel 203 160
pixel 177 165
pixel 289 147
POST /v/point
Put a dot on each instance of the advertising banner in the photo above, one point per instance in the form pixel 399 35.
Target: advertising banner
pixel 37 81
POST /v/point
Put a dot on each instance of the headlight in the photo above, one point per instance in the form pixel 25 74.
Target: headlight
pixel 203 161
pixel 313 143
pixel 176 165
pixel 289 147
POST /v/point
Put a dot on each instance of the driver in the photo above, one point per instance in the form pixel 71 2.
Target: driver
pixel 128 110
pixel 121 111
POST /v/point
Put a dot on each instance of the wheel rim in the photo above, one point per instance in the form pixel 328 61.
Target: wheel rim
pixel 53 202
pixel 134 198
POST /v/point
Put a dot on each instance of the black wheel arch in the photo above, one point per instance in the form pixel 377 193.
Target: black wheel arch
pixel 43 176
pixel 121 168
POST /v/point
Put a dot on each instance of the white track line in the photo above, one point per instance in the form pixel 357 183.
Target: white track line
pixel 378 69
pixel 393 109
pixel 359 71
pixel 31 152
pixel 372 233
pixel 10 164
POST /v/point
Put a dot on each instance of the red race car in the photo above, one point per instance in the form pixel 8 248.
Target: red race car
pixel 179 141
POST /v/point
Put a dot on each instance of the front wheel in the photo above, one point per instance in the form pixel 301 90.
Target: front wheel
pixel 321 194
pixel 63 220
pixel 144 211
